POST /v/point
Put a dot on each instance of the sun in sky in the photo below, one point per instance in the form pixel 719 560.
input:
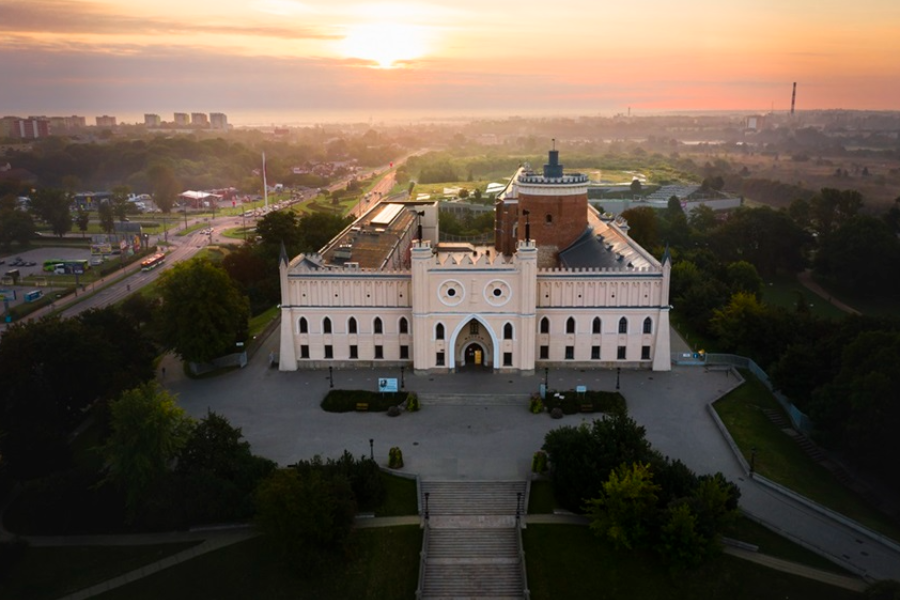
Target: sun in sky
pixel 387 45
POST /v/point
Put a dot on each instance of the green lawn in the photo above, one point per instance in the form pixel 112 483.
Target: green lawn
pixel 769 542
pixel 782 291
pixel 382 563
pixel 54 572
pixel 401 498
pixel 262 320
pixel 540 498
pixel 867 303
pixel 568 562
pixel 780 459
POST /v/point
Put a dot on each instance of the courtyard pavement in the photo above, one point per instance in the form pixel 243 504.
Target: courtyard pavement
pixel 280 416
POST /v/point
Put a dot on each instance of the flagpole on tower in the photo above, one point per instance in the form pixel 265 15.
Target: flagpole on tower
pixel 265 185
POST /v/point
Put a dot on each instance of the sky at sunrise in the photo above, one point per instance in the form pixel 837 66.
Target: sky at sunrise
pixel 268 57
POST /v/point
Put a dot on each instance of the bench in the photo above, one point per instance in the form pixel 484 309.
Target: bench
pixel 362 406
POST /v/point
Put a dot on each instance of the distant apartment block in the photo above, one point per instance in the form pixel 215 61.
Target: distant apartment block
pixel 182 119
pixel 106 121
pixel 67 123
pixel 199 119
pixel 151 120
pixel 25 129
pixel 218 120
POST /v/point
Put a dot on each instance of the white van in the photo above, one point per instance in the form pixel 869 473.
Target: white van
pixel 59 269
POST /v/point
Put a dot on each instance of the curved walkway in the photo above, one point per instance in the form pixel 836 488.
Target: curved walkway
pixel 806 279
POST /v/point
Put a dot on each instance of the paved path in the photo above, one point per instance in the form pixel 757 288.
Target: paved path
pixel 279 414
pixel 805 278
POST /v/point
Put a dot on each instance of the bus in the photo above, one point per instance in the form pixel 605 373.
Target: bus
pixel 79 265
pixel 153 262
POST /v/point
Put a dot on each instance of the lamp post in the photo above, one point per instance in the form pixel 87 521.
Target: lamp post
pixel 752 461
pixel 330 377
pixel 426 505
pixel 402 382
pixel 546 378
pixel 371 449
pixel 618 372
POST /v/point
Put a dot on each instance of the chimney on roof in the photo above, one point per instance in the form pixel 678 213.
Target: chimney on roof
pixel 553 168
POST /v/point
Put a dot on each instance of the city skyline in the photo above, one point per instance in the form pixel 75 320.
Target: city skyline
pixel 264 58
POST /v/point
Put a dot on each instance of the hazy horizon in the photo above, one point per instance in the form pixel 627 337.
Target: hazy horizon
pixel 126 58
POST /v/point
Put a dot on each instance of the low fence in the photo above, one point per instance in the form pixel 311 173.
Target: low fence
pixel 238 359
pixel 799 420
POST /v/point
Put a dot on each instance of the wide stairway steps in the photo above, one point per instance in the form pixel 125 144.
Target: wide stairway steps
pixel 472 549
pixel 467 399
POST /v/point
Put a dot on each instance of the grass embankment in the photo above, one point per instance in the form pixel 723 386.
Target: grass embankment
pixel 783 292
pixel 569 562
pixel 382 563
pixel 780 459
pixel 401 497
pixel 50 573
pixel 542 501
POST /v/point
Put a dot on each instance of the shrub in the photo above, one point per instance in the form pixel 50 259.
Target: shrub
pixel 535 405
pixel 556 413
pixel 395 458
pixel 539 462
pixel 412 402
pixel 570 402
pixel 11 552
pixel 394 411
pixel 346 400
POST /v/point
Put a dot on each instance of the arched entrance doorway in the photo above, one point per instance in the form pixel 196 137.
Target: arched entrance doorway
pixel 473 356
pixel 473 345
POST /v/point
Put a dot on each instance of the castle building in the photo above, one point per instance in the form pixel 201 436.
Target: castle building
pixel 560 286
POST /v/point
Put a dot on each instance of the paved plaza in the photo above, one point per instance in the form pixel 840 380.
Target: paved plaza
pixel 279 414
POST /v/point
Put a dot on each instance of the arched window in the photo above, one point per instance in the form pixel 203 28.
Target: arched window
pixel 304 326
pixel 351 325
pixel 508 331
pixel 326 325
pixel 376 326
pixel 597 326
pixel 570 325
pixel 404 325
pixel 545 325
pixel 623 325
pixel 648 325
pixel 439 331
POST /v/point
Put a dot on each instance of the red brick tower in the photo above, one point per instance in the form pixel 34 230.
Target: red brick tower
pixel 553 206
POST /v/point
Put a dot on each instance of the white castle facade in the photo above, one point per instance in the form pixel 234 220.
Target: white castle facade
pixel 577 293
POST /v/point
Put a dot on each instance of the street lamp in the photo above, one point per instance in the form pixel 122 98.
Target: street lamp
pixel 752 461
pixel 618 372
pixel 402 383
pixel 330 377
pixel 546 378
pixel 371 449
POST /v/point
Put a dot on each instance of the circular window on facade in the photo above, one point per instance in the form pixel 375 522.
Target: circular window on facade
pixel 451 292
pixel 497 292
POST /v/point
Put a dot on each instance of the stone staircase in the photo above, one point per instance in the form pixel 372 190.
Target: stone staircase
pixel 467 399
pixel 472 540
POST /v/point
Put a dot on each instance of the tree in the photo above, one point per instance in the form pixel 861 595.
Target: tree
pixel 15 227
pixel 742 277
pixel 845 255
pixel 703 219
pixel 642 226
pixel 120 201
pixel 317 229
pixel 82 220
pixel 148 429
pixel 165 187
pixel 625 511
pixel 767 239
pixel 308 516
pixel 636 186
pixel 52 206
pixel 107 217
pixel 280 227
pixel 203 314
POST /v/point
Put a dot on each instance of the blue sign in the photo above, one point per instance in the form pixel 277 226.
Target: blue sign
pixel 543 391
pixel 581 389
pixel 386 384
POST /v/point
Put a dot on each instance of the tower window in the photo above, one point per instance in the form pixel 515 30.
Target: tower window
pixel 549 219
pixel 304 326
pixel 377 327
pixel 508 331
pixel 597 325
pixel 351 325
pixel 404 325
pixel 623 325
pixel 648 325
pixel 439 331
pixel 326 325
pixel 473 328
pixel 545 325
pixel 570 325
